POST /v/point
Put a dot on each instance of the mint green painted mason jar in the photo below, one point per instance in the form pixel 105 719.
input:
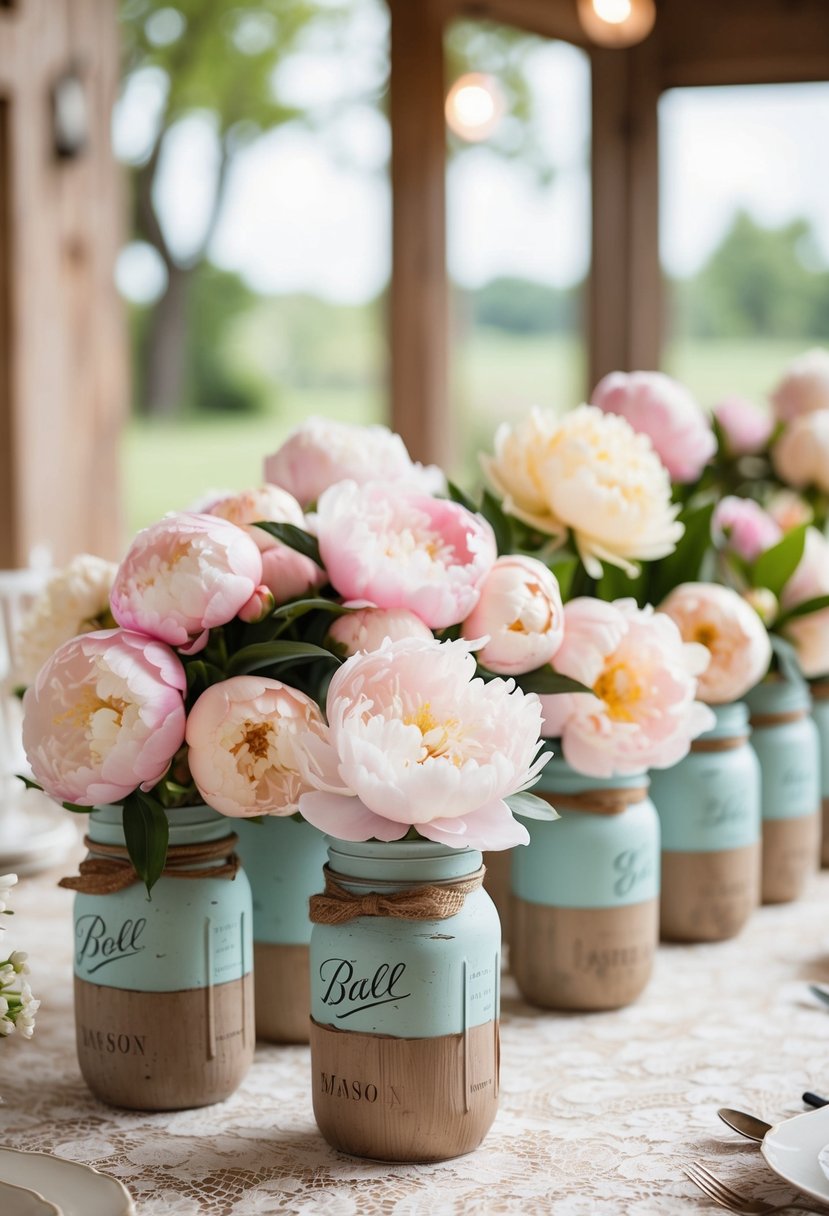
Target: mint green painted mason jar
pixel 820 716
pixel 786 742
pixel 164 985
pixel 585 909
pixel 283 858
pixel 709 811
pixel 404 1031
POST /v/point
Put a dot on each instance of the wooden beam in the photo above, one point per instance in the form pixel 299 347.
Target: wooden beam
pixel 548 18
pixel 419 304
pixel 625 291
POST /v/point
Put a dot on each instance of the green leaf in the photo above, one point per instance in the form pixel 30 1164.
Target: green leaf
pixel 531 807
pixel 275 654
pixel 543 680
pixel 146 832
pixel 786 659
pixel 67 806
pixel 684 565
pixel 775 567
pixel 457 495
pixel 201 674
pixel 294 538
pixel 297 608
pixel 615 584
pixel 495 517
pixel 803 609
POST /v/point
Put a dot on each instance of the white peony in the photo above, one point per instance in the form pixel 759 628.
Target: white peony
pixel 592 473
pixel 76 600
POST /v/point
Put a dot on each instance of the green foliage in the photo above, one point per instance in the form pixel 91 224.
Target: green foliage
pixel 522 306
pixel 146 832
pixel 295 538
pixel 685 564
pixel 775 567
pixel 531 807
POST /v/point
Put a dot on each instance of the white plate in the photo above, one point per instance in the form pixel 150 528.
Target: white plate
pixel 792 1149
pixel 76 1189
pixel 15 1201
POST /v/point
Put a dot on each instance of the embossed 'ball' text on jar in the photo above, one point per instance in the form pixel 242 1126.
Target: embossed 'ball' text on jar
pixel 820 715
pixel 786 742
pixel 709 811
pixel 163 985
pixel 405 972
pixel 585 909
pixel 283 858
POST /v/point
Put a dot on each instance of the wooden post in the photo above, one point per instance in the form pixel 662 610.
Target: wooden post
pixel 419 290
pixel 625 330
pixel 62 342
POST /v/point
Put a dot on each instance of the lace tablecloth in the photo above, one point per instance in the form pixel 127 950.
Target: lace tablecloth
pixel 597 1114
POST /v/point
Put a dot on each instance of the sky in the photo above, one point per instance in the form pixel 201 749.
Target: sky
pixel 310 212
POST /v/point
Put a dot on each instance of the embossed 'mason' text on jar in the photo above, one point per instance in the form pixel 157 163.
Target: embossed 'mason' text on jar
pixel 786 742
pixel 820 716
pixel 164 986
pixel 709 811
pixel 283 859
pixel 585 912
pixel 404 1031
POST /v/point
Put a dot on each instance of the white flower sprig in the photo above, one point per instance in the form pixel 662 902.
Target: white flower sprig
pixel 17 1004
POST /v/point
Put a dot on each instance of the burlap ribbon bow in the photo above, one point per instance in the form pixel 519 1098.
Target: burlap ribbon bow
pixel 434 901
pixel 111 870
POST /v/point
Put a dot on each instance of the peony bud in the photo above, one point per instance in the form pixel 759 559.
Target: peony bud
pixel 260 605
pixel 520 613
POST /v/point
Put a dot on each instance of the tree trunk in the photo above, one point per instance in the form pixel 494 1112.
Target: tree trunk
pixel 164 371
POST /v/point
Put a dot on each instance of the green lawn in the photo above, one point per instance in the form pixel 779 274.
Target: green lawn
pixel 169 465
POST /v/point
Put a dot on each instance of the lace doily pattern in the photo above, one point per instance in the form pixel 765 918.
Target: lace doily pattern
pixel 598 1112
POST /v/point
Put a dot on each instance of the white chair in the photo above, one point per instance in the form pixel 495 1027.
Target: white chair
pixel 35 833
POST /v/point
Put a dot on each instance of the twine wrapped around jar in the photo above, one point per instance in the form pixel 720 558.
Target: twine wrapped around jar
pixel 111 870
pixel 598 801
pixel 434 901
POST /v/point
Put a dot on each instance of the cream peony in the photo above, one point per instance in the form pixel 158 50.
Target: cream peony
pixel 416 740
pixel 590 472
pixel 75 601
pixel 519 614
pixel 804 387
pixel 367 628
pixel 732 632
pixel 641 713
pixel 810 634
pixel 245 738
pixel 801 454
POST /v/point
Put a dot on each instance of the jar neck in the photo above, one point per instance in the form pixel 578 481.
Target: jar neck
pixel 401 862
pixel 557 777
pixel 776 696
pixel 188 825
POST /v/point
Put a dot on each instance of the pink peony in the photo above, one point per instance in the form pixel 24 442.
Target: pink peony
pixel 664 410
pixel 789 510
pixel 183 576
pixel 245 738
pixel 804 387
pixel 520 614
pixel 746 427
pixel 745 526
pixel 104 716
pixel 731 631
pixel 641 713
pixel 416 740
pixel 367 628
pixel 396 549
pixel 801 454
pixel 810 634
pixel 284 571
pixel 320 453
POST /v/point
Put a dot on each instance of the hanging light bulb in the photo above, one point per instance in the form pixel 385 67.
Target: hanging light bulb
pixel 617 23
pixel 475 105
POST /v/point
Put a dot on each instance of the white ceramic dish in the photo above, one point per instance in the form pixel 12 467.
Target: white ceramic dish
pixel 793 1147
pixel 75 1189
pixel 15 1201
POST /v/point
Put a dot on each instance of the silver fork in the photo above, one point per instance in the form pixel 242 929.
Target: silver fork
pixel 722 1194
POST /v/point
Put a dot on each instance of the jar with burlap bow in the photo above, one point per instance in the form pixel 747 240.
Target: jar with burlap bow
pixel 786 742
pixel 405 970
pixel 585 908
pixel 164 1009
pixel 709 812
pixel 820 715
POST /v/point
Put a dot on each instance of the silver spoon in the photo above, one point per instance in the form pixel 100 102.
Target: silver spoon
pixel 747 1125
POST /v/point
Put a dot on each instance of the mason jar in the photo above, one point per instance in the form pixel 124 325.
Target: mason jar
pixel 404 1030
pixel 786 742
pixel 820 716
pixel 283 858
pixel 164 984
pixel 585 909
pixel 709 813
